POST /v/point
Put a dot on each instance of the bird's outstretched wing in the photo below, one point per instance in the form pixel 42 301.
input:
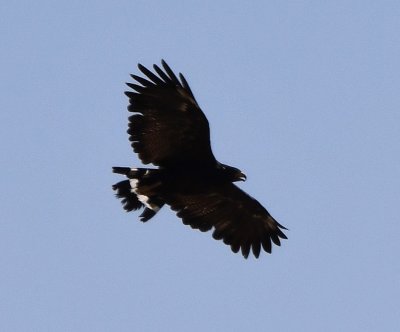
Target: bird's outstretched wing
pixel 169 128
pixel 237 218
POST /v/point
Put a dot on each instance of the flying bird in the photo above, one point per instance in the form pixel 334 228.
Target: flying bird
pixel 168 129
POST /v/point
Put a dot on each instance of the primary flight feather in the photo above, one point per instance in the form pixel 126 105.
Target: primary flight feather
pixel 168 129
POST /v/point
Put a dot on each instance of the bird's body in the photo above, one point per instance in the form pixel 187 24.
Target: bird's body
pixel 170 131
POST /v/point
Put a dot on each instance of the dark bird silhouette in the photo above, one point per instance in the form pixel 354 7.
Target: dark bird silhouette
pixel 169 130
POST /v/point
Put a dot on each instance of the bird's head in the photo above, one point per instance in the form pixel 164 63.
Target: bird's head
pixel 234 174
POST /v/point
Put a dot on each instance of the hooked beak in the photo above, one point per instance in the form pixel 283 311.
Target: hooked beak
pixel 242 176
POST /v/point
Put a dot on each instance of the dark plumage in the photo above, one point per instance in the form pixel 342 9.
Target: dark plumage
pixel 168 129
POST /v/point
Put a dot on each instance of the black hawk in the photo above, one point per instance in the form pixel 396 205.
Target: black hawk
pixel 169 130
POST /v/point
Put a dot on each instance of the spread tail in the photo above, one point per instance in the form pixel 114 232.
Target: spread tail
pixel 138 191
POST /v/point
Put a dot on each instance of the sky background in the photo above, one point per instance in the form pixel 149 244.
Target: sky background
pixel 303 96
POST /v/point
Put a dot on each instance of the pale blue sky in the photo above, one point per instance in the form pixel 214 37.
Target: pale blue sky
pixel 301 95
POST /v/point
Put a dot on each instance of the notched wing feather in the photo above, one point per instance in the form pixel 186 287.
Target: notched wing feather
pixel 171 129
pixel 237 219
